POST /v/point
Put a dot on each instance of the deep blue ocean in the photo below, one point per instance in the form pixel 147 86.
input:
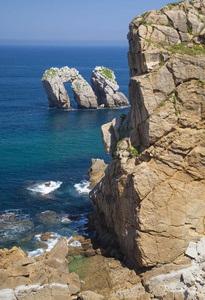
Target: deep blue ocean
pixel 39 145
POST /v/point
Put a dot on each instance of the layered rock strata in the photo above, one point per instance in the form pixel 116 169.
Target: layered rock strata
pixel 105 93
pixel 151 200
pixel 106 88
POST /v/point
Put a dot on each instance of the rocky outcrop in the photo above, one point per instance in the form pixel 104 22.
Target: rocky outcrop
pixel 96 171
pixel 44 277
pixel 53 80
pixel 151 200
pixel 106 89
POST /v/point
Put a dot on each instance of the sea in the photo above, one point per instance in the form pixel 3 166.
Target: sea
pixel 45 153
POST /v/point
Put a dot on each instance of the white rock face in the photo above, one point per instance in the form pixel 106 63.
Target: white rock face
pixel 106 88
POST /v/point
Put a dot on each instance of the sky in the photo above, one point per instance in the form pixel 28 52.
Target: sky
pixel 67 22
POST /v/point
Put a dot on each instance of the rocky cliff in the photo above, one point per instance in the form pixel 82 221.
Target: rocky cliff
pixel 152 198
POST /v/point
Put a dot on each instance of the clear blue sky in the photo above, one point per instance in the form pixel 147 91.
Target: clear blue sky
pixel 66 21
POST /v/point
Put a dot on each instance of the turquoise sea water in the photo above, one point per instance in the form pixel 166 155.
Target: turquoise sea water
pixel 38 144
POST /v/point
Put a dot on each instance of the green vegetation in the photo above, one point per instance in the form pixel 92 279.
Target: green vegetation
pixel 183 49
pixel 126 131
pixel 162 103
pixel 142 21
pixel 149 41
pixel 191 2
pixel 144 14
pixel 50 73
pixel 118 144
pixel 170 5
pixel 200 82
pixel 133 150
pixel 161 64
pixel 170 24
pixel 107 74
pixel 147 24
pixel 189 30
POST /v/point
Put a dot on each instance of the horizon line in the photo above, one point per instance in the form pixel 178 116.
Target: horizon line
pixel 15 42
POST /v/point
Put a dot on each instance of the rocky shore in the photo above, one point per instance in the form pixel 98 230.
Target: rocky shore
pixel 148 202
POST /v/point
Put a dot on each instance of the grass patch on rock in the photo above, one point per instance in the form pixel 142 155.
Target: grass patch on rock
pixel 184 49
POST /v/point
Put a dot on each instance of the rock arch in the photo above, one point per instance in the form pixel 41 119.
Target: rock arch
pixel 104 90
pixel 53 81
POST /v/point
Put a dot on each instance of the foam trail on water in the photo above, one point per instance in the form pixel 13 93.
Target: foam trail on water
pixel 82 187
pixel 50 242
pixel 45 188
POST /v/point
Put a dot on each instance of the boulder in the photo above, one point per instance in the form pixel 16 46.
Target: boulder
pixel 96 171
pixel 43 277
pixel 106 89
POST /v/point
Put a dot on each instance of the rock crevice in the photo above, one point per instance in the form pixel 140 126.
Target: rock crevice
pixel 152 194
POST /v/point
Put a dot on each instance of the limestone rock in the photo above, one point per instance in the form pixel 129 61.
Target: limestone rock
pixel 179 19
pixel 53 80
pixel 106 88
pixel 83 93
pixel 43 277
pixel 55 90
pixel 151 199
pixel 96 171
pixel 89 295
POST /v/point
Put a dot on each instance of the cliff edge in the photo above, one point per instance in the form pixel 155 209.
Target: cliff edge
pixel 151 200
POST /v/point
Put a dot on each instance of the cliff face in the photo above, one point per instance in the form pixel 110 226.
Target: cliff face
pixel 151 200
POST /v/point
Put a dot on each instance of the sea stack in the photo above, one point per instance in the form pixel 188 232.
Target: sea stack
pixel 103 94
pixel 106 88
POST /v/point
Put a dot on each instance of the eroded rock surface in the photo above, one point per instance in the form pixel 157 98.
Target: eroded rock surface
pixel 43 277
pixel 96 171
pixel 106 88
pixel 53 80
pixel 105 93
pixel 151 200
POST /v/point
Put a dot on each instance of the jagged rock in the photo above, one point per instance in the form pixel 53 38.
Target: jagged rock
pixel 103 81
pixel 106 88
pixel 43 277
pixel 53 80
pixel 55 90
pixel 151 200
pixel 178 18
pixel 96 171
pixel 83 93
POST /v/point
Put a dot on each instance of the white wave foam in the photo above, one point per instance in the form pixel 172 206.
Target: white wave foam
pixel 45 188
pixel 75 244
pixel 50 242
pixel 82 187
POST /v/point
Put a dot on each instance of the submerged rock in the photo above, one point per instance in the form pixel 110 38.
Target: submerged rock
pixel 106 88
